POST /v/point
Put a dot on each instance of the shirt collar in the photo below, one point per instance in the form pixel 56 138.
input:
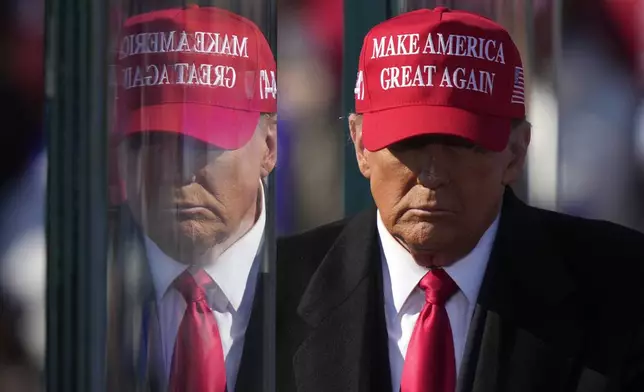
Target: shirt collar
pixel 405 273
pixel 231 271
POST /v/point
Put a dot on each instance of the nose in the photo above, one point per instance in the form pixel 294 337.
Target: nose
pixel 187 169
pixel 433 173
pixel 177 163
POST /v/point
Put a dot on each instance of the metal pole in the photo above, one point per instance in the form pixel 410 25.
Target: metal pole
pixel 359 17
pixel 269 268
pixel 557 61
pixel 76 195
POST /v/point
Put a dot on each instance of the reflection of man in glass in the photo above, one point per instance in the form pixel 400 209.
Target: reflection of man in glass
pixel 197 99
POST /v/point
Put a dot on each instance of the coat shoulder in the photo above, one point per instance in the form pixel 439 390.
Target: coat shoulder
pixel 601 255
pixel 591 235
pixel 307 249
pixel 299 256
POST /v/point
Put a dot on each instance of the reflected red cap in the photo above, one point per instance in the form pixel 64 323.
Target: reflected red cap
pixel 202 72
pixel 439 72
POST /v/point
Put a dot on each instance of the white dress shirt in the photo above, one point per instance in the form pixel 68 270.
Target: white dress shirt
pixel 404 299
pixel 235 276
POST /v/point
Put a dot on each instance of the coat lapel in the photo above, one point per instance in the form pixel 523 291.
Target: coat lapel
pixel 347 347
pixel 524 310
pixel 255 368
pixel 153 377
pixel 250 376
pixel 140 338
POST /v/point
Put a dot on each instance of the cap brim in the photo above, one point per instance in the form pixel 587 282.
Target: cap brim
pixel 225 128
pixel 386 127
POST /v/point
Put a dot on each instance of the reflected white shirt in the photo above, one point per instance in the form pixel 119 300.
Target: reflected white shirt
pixel 235 276
pixel 404 300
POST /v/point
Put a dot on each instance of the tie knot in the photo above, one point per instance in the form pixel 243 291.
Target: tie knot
pixel 438 287
pixel 192 285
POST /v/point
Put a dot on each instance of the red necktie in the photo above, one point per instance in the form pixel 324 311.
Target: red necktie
pixel 198 360
pixel 429 363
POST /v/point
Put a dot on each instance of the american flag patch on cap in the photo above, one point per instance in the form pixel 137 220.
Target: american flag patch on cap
pixel 518 90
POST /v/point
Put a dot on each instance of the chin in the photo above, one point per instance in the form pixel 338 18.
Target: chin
pixel 199 233
pixel 431 260
pixel 423 233
pixel 427 238
pixel 426 247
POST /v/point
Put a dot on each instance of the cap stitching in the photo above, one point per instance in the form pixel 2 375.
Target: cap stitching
pixel 421 103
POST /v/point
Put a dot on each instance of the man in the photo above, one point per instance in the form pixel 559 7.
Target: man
pixel 197 101
pixel 452 283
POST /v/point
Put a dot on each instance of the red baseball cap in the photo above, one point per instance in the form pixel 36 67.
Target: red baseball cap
pixel 201 72
pixel 439 71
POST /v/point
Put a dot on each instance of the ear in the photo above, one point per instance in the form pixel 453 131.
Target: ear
pixel 355 129
pixel 516 153
pixel 269 158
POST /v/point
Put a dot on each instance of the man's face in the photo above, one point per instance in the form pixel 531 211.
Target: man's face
pixel 189 196
pixel 438 194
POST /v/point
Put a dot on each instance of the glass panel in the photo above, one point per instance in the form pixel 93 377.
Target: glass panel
pixel 194 135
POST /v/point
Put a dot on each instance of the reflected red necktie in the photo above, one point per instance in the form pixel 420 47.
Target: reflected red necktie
pixel 429 364
pixel 198 361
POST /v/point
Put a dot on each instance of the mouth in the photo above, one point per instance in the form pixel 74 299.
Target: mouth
pixel 432 211
pixel 192 210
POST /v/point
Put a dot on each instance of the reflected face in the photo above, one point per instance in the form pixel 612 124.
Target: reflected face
pixel 189 196
pixel 437 194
